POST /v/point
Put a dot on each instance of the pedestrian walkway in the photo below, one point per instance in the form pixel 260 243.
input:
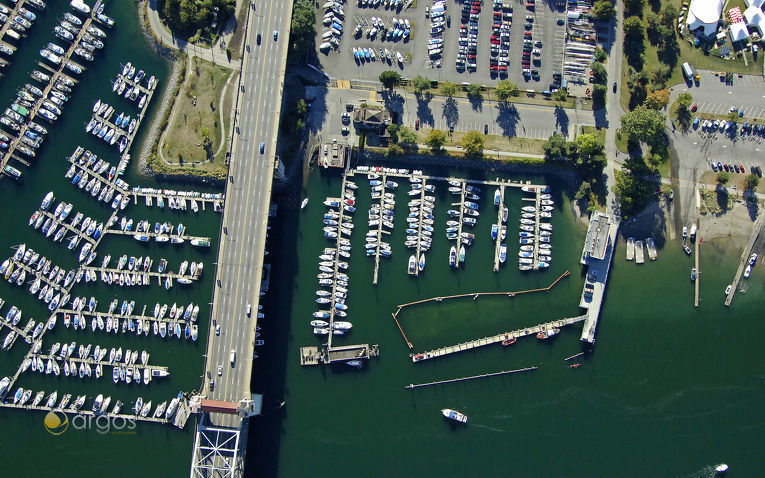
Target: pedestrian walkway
pixel 216 54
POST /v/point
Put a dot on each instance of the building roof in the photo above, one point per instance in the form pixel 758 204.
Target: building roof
pixel 372 117
pixel 754 3
pixel 755 18
pixel 706 11
pixel 597 236
pixel 738 31
pixel 219 406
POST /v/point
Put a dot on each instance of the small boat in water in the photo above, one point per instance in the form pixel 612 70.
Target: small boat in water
pixel 454 415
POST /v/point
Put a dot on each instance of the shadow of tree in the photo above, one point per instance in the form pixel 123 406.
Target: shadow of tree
pixel 394 102
pixel 424 113
pixel 722 197
pixel 561 121
pixel 508 118
pixel 752 206
pixel 476 102
pixel 601 120
pixel 451 112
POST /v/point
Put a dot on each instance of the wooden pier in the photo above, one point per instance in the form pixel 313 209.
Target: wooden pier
pixel 43 277
pixel 88 412
pixel 90 316
pixel 103 363
pixel 380 231
pixel 472 377
pixel 161 277
pixel 203 199
pixel 500 224
pixel 7 25
pixel 420 224
pixel 475 295
pixel 745 255
pixel 336 269
pixel 697 260
pixel 494 339
pixel 55 74
pixel 153 235
pixel 117 184
pixel 75 230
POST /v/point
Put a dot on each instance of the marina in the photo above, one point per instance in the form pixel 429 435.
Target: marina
pixel 40 102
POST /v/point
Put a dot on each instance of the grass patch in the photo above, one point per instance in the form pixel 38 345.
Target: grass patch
pixel 716 201
pixel 501 143
pixel 601 132
pixel 525 97
pixel 621 141
pixel 690 53
pixel 487 157
pixel 197 109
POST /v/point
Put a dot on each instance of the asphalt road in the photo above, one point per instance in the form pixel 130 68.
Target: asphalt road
pixel 248 192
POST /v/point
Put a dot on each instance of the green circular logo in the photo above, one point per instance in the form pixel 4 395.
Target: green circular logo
pixel 56 423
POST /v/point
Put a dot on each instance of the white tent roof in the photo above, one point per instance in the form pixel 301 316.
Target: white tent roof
pixel 704 14
pixel 738 31
pixel 754 3
pixel 755 18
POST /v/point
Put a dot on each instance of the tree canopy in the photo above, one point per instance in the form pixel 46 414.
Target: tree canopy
pixel 556 147
pixel 474 90
pixel 751 182
pixel 633 29
pixel 599 96
pixel 603 10
pixel 560 95
pixel 657 100
pixel 472 143
pixel 420 84
pixel 599 73
pixel 187 16
pixel 631 186
pixel 506 89
pixel 302 31
pixel 448 88
pixel 435 139
pixel 589 143
pixel 389 78
pixel 406 136
pixel 644 124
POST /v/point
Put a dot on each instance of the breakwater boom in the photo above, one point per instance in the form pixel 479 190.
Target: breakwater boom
pixel 472 377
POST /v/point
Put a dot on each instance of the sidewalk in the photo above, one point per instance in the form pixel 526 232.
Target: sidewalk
pixel 487 152
pixel 216 54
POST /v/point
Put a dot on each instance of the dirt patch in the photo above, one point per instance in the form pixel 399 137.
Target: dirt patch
pixel 235 44
pixel 195 132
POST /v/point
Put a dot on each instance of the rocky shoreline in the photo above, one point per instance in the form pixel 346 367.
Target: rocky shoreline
pixel 170 54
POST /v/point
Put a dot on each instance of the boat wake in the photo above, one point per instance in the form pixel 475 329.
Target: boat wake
pixel 708 471
pixel 486 427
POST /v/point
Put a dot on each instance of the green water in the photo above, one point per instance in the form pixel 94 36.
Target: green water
pixel 26 449
pixel 668 390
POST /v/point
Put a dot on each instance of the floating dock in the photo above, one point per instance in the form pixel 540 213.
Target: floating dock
pixel 745 255
pixel 494 339
pixel 500 224
pixel 55 74
pixel 466 379
pixel 598 250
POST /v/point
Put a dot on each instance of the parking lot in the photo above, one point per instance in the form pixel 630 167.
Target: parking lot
pixel 543 25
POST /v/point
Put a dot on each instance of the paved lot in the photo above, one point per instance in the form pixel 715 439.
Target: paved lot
pixel 527 121
pixel 715 97
pixel 341 63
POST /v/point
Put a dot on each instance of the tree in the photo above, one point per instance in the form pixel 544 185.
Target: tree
pixel 669 15
pixel 599 96
pixel 389 79
pixel 684 100
pixel 599 73
pixel 603 10
pixel 394 150
pixel 631 186
pixel 435 139
pixel 751 182
pixel 474 90
pixel 393 132
pixel 600 55
pixel 589 144
pixel 448 88
pixel 561 95
pixel 633 29
pixel 302 31
pixel 556 147
pixel 723 177
pixel 644 124
pixel 505 89
pixel 634 7
pixel 406 136
pixel 660 74
pixel 472 143
pixel 420 84
pixel 301 108
pixel 657 100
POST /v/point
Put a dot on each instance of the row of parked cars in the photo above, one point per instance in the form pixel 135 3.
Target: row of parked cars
pixel 400 29
pixel 363 55
pixel 736 168
pixel 392 4
pixel 438 20
pixel 468 40
pixel 500 38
